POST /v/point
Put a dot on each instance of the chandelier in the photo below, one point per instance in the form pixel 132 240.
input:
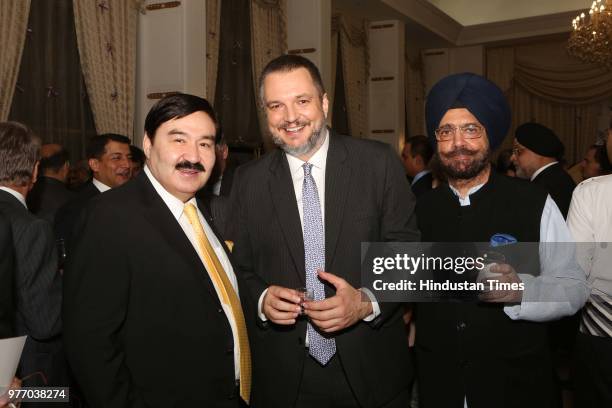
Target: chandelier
pixel 591 37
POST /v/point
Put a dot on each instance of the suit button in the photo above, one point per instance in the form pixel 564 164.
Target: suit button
pixel 219 310
pixel 461 326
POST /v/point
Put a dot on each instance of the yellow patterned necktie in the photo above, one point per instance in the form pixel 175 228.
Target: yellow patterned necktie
pixel 229 297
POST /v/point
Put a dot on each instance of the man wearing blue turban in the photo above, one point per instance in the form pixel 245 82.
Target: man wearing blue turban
pixel 490 353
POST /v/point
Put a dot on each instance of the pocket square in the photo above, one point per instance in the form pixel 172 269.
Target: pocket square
pixel 498 240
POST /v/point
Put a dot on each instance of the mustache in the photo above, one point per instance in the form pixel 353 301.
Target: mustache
pixel 298 122
pixel 462 151
pixel 187 165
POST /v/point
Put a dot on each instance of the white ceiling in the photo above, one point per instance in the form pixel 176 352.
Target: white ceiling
pixel 472 12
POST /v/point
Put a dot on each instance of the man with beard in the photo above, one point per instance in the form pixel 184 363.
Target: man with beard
pixel 302 213
pixel 536 154
pixel 488 353
pixel 590 220
pixel 152 315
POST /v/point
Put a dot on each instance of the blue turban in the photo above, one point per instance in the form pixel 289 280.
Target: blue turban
pixel 480 96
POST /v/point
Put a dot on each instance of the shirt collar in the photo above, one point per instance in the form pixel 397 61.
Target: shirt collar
pixel 100 185
pixel 15 194
pixel 541 169
pixel 175 205
pixel 419 175
pixel 317 160
pixel 466 201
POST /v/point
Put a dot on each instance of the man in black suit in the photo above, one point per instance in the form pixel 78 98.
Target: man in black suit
pixel 109 160
pixel 7 307
pixel 536 155
pixel 151 311
pixel 50 192
pixel 301 214
pixel 36 280
pixel 416 156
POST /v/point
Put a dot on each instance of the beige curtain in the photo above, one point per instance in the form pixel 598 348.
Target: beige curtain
pixel 13 28
pixel 545 85
pixel 355 65
pixel 268 41
pixel 415 98
pixel 107 35
pixel 213 25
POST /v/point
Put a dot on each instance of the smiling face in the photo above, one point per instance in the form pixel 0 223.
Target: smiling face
pixel 461 158
pixel 295 111
pixel 113 167
pixel 182 155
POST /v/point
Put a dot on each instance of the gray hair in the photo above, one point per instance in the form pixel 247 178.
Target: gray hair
pixel 19 152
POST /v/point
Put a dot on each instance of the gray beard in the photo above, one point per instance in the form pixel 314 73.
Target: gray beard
pixel 307 147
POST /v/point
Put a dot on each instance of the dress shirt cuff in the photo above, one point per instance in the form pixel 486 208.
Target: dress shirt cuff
pixel 375 306
pixel 260 312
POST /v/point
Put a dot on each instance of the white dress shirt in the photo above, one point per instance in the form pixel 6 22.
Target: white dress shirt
pixel 590 221
pixel 176 207
pixel 561 278
pixel 319 162
pixel 15 194
pixel 100 185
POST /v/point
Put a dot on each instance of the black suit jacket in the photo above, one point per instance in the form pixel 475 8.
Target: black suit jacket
pixel 367 198
pixel 47 196
pixel 68 215
pixel 7 307
pixel 38 295
pixel 143 324
pixel 558 184
pixel 423 185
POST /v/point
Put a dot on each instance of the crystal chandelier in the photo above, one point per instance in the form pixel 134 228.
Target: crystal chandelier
pixel 591 38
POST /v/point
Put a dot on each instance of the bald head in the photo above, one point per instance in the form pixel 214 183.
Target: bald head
pixel 54 161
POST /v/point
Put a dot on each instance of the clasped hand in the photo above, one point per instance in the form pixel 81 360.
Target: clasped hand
pixel 344 309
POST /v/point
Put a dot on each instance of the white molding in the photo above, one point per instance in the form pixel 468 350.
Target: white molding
pixel 519 28
pixel 429 16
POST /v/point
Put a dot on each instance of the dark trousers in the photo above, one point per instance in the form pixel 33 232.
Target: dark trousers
pixel 592 372
pixel 328 387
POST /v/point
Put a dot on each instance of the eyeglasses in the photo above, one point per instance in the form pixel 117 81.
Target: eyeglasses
pixel 468 131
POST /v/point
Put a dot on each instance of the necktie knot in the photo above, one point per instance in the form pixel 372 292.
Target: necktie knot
pixel 191 213
pixel 307 169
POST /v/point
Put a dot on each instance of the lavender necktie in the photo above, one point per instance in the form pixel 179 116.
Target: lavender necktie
pixel 321 348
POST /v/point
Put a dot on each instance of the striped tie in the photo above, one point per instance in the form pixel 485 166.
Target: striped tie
pixel 597 316
pixel 228 297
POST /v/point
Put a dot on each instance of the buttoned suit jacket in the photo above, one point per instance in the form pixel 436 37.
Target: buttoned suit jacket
pixel 367 198
pixel 144 326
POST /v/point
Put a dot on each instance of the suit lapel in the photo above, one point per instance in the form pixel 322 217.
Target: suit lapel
pixel 285 206
pixel 160 217
pixel 337 182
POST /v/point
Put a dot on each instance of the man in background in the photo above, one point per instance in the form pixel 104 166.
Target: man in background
pixel 109 160
pixel 595 162
pixel 416 156
pixel 590 221
pixel 537 154
pixel 50 191
pixel 7 307
pixel 137 160
pixel 37 282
